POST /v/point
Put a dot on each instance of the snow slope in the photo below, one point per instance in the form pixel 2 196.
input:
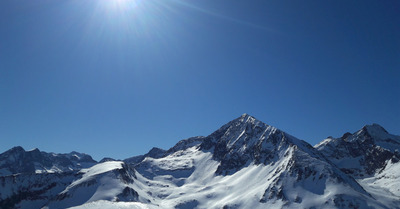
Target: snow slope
pixel 385 185
pixel 112 181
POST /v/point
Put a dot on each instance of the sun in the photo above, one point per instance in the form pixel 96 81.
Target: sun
pixel 121 5
pixel 122 1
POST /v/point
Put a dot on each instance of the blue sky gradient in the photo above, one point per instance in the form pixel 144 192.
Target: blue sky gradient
pixel 115 78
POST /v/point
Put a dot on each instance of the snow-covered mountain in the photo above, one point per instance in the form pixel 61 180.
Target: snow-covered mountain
pixel 364 152
pixel 17 160
pixel 371 156
pixel 244 164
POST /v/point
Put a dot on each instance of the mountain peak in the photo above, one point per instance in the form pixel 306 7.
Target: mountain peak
pixel 246 116
pixel 375 131
pixel 17 149
pixel 246 119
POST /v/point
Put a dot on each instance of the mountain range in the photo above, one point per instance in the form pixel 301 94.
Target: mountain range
pixel 244 164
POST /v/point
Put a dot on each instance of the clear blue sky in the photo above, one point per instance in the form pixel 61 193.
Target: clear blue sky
pixel 113 78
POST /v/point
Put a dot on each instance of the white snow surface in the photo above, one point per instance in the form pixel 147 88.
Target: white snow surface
pixel 385 185
pixel 100 182
pixel 388 180
pixel 204 189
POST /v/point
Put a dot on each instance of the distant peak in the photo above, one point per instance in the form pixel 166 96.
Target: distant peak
pixel 374 128
pixel 156 150
pixel 107 159
pixel 375 131
pixel 346 135
pixel 35 150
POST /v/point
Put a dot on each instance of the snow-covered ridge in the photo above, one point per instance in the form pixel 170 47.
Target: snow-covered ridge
pixel 364 152
pixel 17 160
pixel 371 156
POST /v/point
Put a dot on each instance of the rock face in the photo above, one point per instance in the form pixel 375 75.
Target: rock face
pixel 244 164
pixel 17 160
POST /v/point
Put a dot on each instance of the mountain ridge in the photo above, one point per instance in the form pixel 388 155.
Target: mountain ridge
pixel 260 165
pixel 18 160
